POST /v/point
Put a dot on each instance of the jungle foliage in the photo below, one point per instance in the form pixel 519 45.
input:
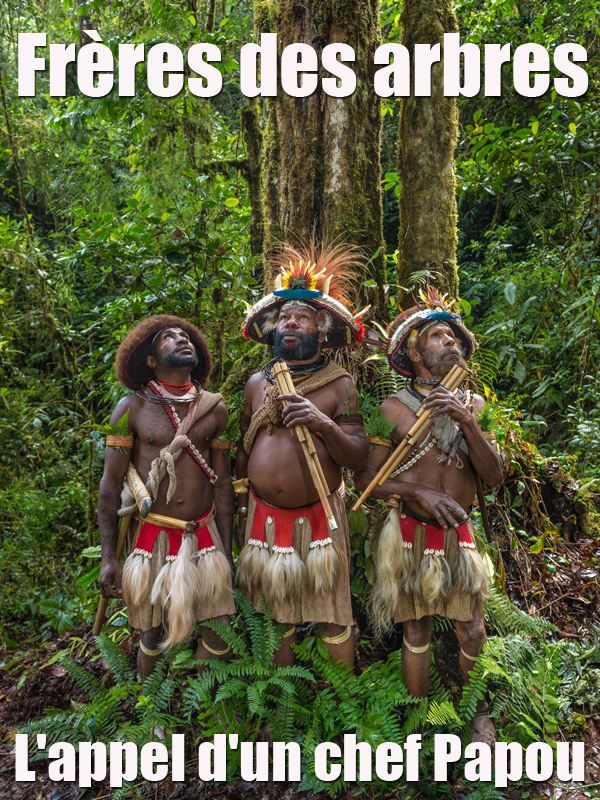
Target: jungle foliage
pixel 115 208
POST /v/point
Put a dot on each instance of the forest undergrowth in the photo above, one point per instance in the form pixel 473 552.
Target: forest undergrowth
pixel 115 208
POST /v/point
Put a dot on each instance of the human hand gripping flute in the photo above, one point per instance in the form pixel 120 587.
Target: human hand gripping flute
pixel 426 559
pixel 179 568
pixel 293 529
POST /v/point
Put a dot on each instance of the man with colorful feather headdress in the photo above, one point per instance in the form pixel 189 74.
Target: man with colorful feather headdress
pixel 290 554
pixel 426 560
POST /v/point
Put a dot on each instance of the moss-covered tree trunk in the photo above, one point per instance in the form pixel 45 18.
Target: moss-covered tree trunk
pixel 321 154
pixel 427 139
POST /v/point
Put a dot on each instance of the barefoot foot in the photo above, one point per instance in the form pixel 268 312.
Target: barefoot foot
pixel 483 729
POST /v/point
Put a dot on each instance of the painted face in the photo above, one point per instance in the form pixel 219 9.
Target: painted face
pixel 296 335
pixel 439 349
pixel 174 348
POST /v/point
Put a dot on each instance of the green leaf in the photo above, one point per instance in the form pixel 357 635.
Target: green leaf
pixel 91 576
pixel 520 371
pixel 232 202
pixel 535 127
pixel 537 546
pixel 510 292
pixel 92 552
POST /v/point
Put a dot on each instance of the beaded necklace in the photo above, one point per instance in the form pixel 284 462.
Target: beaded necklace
pixel 414 455
pixel 298 371
pixel 427 381
pixel 176 387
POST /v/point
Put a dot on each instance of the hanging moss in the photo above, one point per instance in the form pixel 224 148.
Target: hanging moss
pixel 321 162
pixel 242 369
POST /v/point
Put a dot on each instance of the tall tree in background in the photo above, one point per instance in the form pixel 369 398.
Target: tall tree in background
pixel 321 154
pixel 427 139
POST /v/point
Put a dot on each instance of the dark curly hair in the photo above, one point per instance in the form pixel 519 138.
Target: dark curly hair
pixel 130 362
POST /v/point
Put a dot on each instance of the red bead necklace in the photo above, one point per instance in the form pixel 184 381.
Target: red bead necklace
pixel 177 387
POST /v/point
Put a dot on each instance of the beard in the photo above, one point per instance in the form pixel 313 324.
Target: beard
pixel 438 366
pixel 175 360
pixel 304 350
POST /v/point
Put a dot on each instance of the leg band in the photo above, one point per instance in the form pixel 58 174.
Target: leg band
pixel 147 651
pixel 340 638
pixel 466 655
pixel 215 652
pixel 291 631
pixel 414 649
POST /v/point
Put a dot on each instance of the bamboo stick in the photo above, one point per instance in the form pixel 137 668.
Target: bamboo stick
pixel 303 432
pixel 103 604
pixel 167 522
pixel 452 380
pixel 417 429
pixel 285 385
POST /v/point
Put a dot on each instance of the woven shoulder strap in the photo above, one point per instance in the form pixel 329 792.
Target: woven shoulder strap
pixel 269 413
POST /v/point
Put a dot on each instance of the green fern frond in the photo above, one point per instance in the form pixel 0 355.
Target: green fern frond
pixel 115 658
pixel 506 617
pixel 443 714
pixel 84 679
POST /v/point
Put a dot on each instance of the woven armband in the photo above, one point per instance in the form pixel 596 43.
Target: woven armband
pixel 377 440
pixel 119 441
pixel 349 419
pixel 215 444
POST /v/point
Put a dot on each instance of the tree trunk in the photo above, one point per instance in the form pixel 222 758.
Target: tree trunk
pixel 210 16
pixel 86 22
pixel 321 164
pixel 253 141
pixel 427 138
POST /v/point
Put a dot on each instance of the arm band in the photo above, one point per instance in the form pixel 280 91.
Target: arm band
pixel 119 441
pixel 349 419
pixel 377 440
pixel 215 444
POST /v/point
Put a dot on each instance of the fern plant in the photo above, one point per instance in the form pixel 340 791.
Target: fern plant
pixel 505 617
pixel 113 713
pixel 250 690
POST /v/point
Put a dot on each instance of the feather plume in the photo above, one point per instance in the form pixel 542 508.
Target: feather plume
pixel 331 269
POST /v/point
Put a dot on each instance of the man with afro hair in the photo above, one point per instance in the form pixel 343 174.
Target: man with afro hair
pixel 179 568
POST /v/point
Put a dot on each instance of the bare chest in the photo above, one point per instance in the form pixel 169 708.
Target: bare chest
pixel 155 429
pixel 324 399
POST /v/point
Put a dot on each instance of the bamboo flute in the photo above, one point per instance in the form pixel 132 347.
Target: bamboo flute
pixel 285 385
pixel 417 429
pixel 452 380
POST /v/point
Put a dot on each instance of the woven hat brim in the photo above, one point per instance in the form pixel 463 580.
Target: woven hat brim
pixel 396 355
pixel 344 332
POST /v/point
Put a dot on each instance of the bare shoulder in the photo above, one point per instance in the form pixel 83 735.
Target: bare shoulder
pixel 130 405
pixel 479 403
pixel 253 383
pixel 394 411
pixel 345 391
pixel 220 414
